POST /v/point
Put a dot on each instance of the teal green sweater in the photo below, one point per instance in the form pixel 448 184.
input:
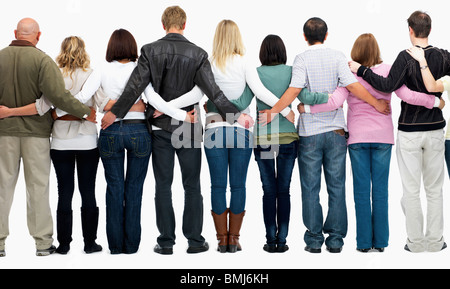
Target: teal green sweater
pixel 276 79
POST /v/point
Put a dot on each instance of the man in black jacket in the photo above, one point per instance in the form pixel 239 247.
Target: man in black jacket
pixel 420 143
pixel 173 65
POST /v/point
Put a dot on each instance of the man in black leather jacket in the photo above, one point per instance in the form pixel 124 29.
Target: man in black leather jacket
pixel 173 65
pixel 420 142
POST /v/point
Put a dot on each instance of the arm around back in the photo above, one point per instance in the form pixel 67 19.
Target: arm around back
pixel 51 84
pixel 204 78
pixel 137 83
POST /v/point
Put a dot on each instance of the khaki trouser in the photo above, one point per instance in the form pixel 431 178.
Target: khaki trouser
pixel 35 154
pixel 421 154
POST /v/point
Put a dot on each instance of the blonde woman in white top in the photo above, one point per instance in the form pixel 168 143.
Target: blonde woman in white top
pixel 228 148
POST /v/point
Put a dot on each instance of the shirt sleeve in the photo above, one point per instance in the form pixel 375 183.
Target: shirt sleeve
pixel 345 75
pixel 43 105
pixel 392 82
pixel 187 99
pixel 260 91
pixel 336 100
pixel 416 98
pixel 299 78
pixel 312 98
pixel 446 82
pixel 160 104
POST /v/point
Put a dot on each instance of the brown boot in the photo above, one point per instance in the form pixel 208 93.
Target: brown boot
pixel 233 233
pixel 220 222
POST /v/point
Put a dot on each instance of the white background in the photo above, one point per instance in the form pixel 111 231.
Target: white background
pixel 94 21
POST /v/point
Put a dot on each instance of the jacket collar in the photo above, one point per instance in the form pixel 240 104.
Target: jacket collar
pixel 21 43
pixel 175 36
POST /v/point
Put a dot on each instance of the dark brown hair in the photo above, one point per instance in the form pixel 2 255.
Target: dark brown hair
pixel 121 45
pixel 272 51
pixel 366 50
pixel 420 23
pixel 315 30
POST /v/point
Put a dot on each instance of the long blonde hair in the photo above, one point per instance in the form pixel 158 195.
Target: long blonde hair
pixel 227 42
pixel 72 56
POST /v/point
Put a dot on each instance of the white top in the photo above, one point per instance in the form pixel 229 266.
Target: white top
pixel 105 84
pixel 112 80
pixel 232 82
pixel 112 77
pixel 72 135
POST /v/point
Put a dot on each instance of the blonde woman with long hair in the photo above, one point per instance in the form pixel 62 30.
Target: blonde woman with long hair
pixel 228 148
pixel 74 143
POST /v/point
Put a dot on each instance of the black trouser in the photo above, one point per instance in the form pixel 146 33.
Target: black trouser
pixel 86 162
pixel 189 156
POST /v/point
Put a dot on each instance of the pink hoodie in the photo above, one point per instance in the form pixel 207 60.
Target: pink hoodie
pixel 365 124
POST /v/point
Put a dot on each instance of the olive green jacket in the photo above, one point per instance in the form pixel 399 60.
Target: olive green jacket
pixel 27 73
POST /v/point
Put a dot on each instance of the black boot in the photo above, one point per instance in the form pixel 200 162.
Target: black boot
pixel 64 230
pixel 89 224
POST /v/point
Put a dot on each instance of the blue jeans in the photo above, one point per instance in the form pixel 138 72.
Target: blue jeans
pixel 124 189
pixel 276 163
pixel 228 150
pixel 370 167
pixel 328 150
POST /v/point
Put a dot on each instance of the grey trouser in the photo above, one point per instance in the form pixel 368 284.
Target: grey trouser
pixel 35 154
pixel 420 155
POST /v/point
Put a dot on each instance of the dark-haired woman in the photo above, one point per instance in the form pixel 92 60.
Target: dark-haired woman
pixel 126 138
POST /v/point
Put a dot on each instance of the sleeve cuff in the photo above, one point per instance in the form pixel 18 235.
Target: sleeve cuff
pixel 307 108
pixel 361 71
pixel 437 102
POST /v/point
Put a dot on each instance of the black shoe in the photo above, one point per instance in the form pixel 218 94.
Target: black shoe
pixel 363 250
pixel 92 248
pixel 407 248
pixel 46 252
pixel 312 250
pixel 163 250
pixel 334 250
pixel 269 248
pixel 200 249
pixel 282 248
pixel 379 249
pixel 444 246
pixel 63 249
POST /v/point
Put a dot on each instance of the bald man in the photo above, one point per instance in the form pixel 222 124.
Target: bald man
pixel 26 74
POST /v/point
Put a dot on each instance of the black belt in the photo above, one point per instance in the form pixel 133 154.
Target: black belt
pixel 131 121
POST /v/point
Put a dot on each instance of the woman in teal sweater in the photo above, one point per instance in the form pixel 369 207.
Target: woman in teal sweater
pixel 276 143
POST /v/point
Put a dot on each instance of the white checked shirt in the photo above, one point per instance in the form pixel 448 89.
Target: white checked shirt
pixel 321 69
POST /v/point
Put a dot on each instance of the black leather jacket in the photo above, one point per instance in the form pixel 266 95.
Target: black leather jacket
pixel 406 70
pixel 174 66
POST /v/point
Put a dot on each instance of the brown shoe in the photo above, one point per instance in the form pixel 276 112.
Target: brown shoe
pixel 220 222
pixel 233 233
